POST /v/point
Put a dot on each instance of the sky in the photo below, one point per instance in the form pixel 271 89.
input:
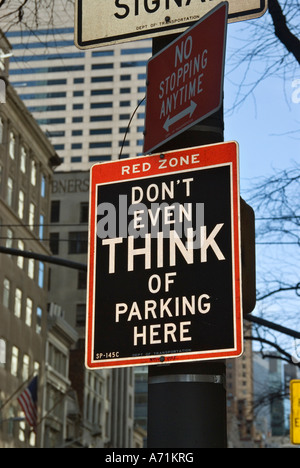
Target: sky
pixel 261 123
pixel 265 127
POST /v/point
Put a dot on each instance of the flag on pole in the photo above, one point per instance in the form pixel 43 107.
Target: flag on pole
pixel 28 402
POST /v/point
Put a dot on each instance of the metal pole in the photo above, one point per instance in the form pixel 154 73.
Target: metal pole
pixel 187 406
pixel 187 402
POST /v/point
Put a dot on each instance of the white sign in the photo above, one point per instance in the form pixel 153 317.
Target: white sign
pixel 103 22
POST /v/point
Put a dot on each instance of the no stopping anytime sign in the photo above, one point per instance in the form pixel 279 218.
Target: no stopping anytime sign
pixel 164 260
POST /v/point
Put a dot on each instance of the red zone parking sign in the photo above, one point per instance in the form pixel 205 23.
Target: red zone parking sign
pixel 164 266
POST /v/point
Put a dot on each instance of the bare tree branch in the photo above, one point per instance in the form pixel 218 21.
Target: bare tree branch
pixel 284 34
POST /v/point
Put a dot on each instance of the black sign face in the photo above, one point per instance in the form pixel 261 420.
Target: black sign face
pixel 164 279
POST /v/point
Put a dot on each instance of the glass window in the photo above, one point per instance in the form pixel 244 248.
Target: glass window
pixel 80 314
pixel 33 173
pixel 23 160
pixel 10 189
pixel 84 212
pixel 54 243
pixel 9 238
pixel 6 292
pixel 43 186
pixel 12 145
pixel 18 303
pixel 2 352
pixel 31 216
pixel 28 316
pixel 77 132
pixel 78 242
pixel 39 314
pixel 41 275
pixel 14 361
pixel 1 130
pixel 82 277
pixel 41 227
pixel 25 369
pixel 31 268
pixel 20 260
pixel 55 211
pixel 21 204
pixel 76 159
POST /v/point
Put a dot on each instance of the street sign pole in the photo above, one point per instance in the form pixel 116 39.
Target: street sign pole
pixel 187 402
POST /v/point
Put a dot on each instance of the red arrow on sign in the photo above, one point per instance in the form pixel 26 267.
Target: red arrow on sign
pixel 185 80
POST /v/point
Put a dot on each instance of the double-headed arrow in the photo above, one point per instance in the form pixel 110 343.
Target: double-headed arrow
pixel 188 111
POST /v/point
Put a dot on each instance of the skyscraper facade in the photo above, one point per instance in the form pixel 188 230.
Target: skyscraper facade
pixel 83 100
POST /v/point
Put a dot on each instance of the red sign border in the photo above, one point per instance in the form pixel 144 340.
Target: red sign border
pixel 149 148
pixel 210 156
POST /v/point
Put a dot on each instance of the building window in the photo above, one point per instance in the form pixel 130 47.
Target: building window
pixel 78 242
pixel 28 316
pixel 14 361
pixel 18 303
pixel 12 145
pixel 2 353
pixel 55 211
pixel 54 243
pixel 39 314
pixel 31 268
pixel 25 369
pixel 9 239
pixel 81 280
pixel 84 212
pixel 10 189
pixel 31 216
pixel 43 186
pixel 6 293
pixel 80 315
pixel 23 160
pixel 41 275
pixel 20 260
pixel 33 173
pixel 1 130
pixel 41 227
pixel 21 204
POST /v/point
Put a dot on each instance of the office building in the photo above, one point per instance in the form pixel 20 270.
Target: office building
pixel 27 160
pixel 239 384
pixel 84 101
pixel 106 397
